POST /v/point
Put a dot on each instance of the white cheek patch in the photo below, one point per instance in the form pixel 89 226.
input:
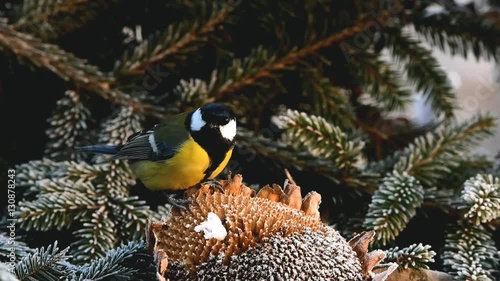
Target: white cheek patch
pixel 228 131
pixel 197 121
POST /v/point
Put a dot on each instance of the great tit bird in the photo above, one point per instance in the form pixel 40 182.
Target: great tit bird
pixel 182 151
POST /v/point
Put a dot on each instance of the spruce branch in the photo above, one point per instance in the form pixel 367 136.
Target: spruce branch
pixel 459 34
pixel 413 256
pixel 120 125
pixel 96 237
pixel 322 139
pixel 179 43
pixel 43 264
pixel 28 174
pixel 423 70
pixel 67 66
pixel 131 213
pixel 193 93
pixel 257 70
pixel 283 155
pixel 381 80
pixel 162 213
pixel 49 19
pixel 96 196
pixel 68 128
pixel 393 205
pixel 116 180
pixel 58 205
pixel 82 171
pixel 8 243
pixel 117 220
pixel 130 261
pixel 62 63
pixel 119 263
pixel 466 169
pixel 268 71
pixel 470 253
pixel 328 100
pixel 481 198
pixel 430 157
pixel 116 129
pixel 385 165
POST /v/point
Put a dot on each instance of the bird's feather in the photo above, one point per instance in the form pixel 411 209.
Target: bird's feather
pixel 99 148
pixel 159 143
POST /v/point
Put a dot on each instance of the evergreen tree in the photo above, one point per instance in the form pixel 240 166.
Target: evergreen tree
pixel 315 85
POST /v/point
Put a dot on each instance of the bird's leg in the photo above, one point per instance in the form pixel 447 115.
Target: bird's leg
pixel 179 203
pixel 214 184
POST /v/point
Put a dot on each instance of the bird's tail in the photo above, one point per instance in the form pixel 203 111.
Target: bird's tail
pixel 100 149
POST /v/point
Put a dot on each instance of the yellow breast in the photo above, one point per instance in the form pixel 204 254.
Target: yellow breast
pixel 182 171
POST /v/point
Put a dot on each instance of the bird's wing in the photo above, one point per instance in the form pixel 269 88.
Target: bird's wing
pixel 159 143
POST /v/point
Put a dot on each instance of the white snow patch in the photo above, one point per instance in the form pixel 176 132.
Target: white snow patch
pixel 212 227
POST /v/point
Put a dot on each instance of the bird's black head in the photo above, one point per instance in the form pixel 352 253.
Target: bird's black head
pixel 216 118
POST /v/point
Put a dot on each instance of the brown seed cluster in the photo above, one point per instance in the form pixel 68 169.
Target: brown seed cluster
pixel 275 232
pixel 300 257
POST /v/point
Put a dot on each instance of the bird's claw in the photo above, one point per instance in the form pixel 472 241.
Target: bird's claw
pixel 182 204
pixel 214 184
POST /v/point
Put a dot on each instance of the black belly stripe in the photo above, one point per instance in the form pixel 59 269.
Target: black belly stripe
pixel 215 145
pixel 213 166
